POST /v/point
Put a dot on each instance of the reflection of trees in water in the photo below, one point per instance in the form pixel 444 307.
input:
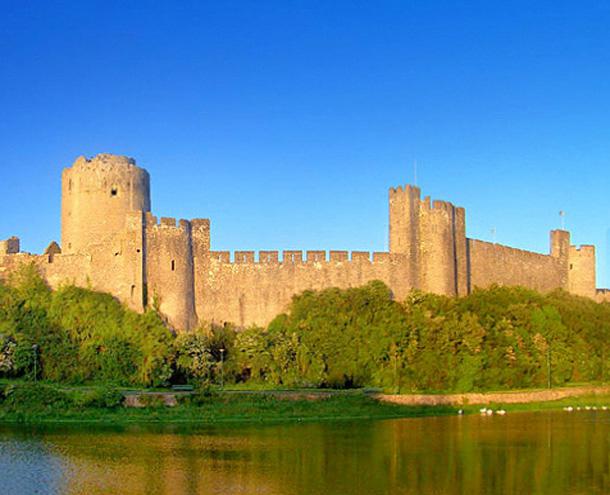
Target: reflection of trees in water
pixel 518 453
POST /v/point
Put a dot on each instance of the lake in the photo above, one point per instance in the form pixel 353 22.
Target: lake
pixel 521 453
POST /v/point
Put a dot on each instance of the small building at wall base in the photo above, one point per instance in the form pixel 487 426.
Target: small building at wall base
pixel 110 241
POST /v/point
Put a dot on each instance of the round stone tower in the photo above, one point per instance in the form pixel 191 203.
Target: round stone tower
pixel 96 195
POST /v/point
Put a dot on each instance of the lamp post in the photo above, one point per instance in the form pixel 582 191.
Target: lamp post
pixel 35 349
pixel 548 366
pixel 222 368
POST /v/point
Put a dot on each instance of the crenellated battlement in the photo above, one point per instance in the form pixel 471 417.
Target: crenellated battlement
pixel 339 256
pixel 199 224
pixel 407 189
pixel 103 160
pixel 413 193
pixel 583 249
pixel 167 224
pixel 221 256
pixel 268 257
pixel 244 257
pixel 298 257
pixel 316 257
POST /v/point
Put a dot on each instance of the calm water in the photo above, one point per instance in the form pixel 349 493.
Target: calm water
pixel 549 453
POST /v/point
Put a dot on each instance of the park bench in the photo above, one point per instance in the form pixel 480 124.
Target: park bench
pixel 182 388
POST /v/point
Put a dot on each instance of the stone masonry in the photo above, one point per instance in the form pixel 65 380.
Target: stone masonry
pixel 112 242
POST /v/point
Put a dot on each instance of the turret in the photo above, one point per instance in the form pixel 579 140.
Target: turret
pixel 581 271
pixel 404 206
pixel 97 195
pixel 560 245
pixel 577 262
pixel 431 238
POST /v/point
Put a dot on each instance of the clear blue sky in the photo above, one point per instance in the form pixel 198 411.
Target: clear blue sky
pixel 286 122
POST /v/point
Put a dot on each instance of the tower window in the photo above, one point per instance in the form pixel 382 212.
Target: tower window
pixel 173 265
pixel 114 191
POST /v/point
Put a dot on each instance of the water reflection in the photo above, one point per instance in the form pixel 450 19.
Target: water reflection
pixel 519 453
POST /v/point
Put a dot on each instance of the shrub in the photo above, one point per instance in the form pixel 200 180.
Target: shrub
pixel 104 398
pixel 202 395
pixel 194 358
pixel 30 397
pixel 81 335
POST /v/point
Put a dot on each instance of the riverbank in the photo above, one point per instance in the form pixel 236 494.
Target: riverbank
pixel 44 403
pixel 47 404
pixel 486 398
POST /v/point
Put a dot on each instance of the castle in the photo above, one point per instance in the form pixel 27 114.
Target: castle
pixel 111 242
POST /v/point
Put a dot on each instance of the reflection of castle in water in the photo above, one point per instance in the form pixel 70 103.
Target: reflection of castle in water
pixel 111 242
pixel 520 453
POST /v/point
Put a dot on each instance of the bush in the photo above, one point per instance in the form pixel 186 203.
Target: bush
pixel 82 335
pixel 194 358
pixel 103 398
pixel 31 397
pixel 202 395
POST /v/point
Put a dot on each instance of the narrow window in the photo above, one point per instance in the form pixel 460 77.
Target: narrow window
pixel 173 265
pixel 114 191
pixel 571 266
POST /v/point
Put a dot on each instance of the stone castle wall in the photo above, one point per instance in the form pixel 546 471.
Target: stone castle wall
pixel 249 291
pixel 61 269
pixel 496 264
pixel 111 242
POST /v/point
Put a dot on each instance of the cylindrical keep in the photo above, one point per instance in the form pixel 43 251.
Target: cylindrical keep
pixel 97 193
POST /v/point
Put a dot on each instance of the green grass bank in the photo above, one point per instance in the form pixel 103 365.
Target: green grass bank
pixel 28 403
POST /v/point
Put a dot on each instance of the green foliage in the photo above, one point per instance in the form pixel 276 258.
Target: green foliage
pixel 193 356
pixel 498 338
pixel 334 338
pixel 81 335
pixel 35 397
pixel 104 398
pixel 202 396
pixel 204 356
